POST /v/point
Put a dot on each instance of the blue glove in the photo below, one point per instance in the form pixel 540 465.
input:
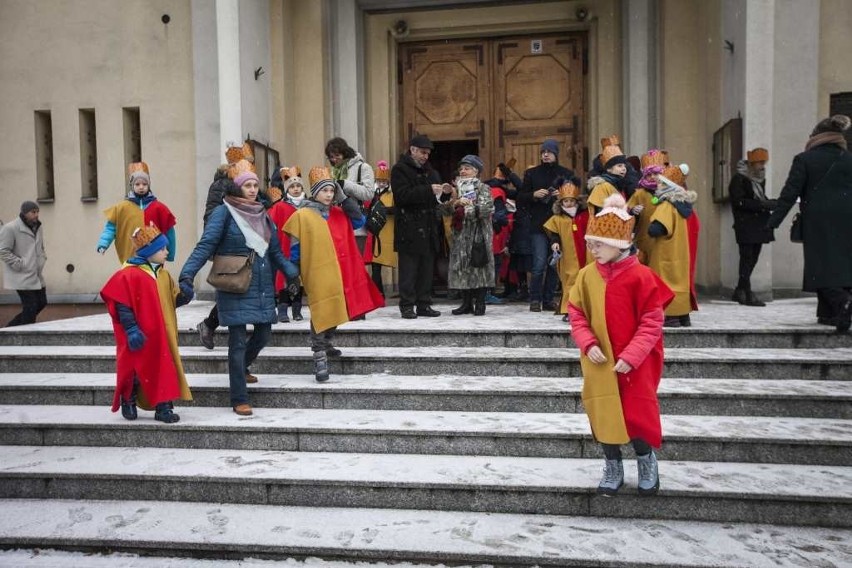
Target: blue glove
pixel 187 290
pixel 294 285
pixel 135 338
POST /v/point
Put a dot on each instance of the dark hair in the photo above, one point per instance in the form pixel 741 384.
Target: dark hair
pixel 233 189
pixel 339 146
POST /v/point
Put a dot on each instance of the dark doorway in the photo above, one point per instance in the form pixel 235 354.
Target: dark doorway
pixel 447 154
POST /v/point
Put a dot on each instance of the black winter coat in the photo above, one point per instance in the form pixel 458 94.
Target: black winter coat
pixel 826 206
pixel 538 211
pixel 416 229
pixel 216 193
pixel 750 213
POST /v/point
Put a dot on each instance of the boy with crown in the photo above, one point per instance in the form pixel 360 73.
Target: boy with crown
pixel 139 208
pixel 332 268
pixel 616 312
pixel 567 231
pixel 141 298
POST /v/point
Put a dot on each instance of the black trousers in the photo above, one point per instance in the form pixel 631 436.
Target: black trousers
pixel 32 302
pixel 830 302
pixel 376 273
pixel 415 279
pixel 613 451
pixel 749 253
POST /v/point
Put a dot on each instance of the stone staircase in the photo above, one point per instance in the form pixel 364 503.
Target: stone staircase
pixel 447 440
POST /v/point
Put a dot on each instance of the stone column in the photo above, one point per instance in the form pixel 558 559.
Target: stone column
pixel 639 85
pixel 230 91
pixel 347 72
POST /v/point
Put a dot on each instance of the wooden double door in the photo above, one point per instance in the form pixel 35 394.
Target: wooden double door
pixel 505 95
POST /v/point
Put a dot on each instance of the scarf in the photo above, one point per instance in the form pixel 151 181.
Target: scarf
pixel 142 201
pixel 756 181
pixel 295 201
pixel 617 182
pixel 647 182
pixel 250 217
pixel 317 206
pixel 826 138
pixel 341 171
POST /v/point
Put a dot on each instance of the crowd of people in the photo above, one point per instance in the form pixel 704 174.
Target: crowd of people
pixel 615 256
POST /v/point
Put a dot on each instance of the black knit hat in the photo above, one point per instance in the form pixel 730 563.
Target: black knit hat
pixel 28 206
pixel 836 123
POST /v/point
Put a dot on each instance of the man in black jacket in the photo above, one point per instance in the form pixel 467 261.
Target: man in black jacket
pixel 535 201
pixel 416 188
pixel 751 209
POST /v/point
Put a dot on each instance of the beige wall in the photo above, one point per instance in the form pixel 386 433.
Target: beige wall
pixel 381 56
pixel 105 55
pixel 690 48
pixel 835 45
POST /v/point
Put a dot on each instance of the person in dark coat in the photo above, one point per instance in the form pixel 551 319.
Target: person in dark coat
pixel 535 201
pixel 751 210
pixel 416 188
pixel 821 177
pixel 239 227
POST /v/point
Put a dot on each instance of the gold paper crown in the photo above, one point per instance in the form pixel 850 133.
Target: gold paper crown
pixel 236 153
pixel 609 152
pixel 274 194
pixel 675 174
pixel 568 190
pixel 137 167
pixel 382 171
pixel 142 236
pixel 653 158
pixel 290 171
pixel 758 155
pixel 318 173
pixel 611 140
pixel 239 167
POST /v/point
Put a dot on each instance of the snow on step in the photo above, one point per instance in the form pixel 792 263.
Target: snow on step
pixel 382 534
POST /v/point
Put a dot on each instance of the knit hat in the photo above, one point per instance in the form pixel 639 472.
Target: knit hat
pixel 757 155
pixel 421 141
pixel 551 146
pixel 653 158
pixel 137 176
pixel 148 241
pixel 241 172
pixel 613 225
pixel 611 140
pixel 836 123
pixel 320 178
pixel 474 161
pixel 28 206
pixel 291 175
pixel 611 156
pixel 568 188
pixel 382 172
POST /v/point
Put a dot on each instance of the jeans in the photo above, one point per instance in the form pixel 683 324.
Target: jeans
pixel 32 302
pixel 543 283
pixel 241 354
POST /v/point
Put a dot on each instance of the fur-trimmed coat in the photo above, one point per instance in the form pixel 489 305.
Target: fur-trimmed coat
pixel 462 276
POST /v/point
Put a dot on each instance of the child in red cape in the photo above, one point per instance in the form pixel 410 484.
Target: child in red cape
pixel 566 229
pixel 616 308
pixel 283 207
pixel 141 298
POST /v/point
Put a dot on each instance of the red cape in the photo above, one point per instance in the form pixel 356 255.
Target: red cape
pixel 361 293
pixel 160 215
pixel 693 227
pixel 153 364
pixel 582 221
pixel 279 213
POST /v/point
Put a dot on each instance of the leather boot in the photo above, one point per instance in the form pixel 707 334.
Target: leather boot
pixel 751 300
pixel 467 303
pixel 739 296
pixel 479 301
pixel 297 310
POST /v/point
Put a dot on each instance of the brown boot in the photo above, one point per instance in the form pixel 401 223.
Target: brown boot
pixel 243 409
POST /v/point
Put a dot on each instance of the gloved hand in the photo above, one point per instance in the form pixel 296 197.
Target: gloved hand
pixel 187 289
pixel 339 194
pixel 293 286
pixel 504 169
pixel 135 338
pixel 352 208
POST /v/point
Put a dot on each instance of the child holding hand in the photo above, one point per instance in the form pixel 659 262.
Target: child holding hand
pixel 616 308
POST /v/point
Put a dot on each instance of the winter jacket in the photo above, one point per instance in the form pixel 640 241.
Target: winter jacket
pixel 826 206
pixel 538 211
pixel 223 236
pixel 750 213
pixel 216 193
pixel 416 218
pixel 462 276
pixel 22 250
pixel 359 183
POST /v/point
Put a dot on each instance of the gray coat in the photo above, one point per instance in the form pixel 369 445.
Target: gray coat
pixel 462 276
pixel 360 183
pixel 22 251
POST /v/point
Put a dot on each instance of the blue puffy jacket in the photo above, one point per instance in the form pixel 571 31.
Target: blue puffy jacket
pixel 222 236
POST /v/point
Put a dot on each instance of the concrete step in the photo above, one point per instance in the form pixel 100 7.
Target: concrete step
pixel 694 438
pixel 707 491
pixel 831 364
pixel 275 532
pixel 355 334
pixel 715 397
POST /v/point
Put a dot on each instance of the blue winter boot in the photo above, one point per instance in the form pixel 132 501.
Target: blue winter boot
pixel 613 477
pixel 649 475
pixel 164 413
pixel 128 406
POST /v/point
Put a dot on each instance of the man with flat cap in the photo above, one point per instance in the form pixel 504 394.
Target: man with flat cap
pixel 22 251
pixel 416 190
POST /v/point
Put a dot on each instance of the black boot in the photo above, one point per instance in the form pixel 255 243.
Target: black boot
pixel 479 301
pixel 467 303
pixel 739 296
pixel 128 407
pixel 751 300
pixel 297 310
pixel 164 413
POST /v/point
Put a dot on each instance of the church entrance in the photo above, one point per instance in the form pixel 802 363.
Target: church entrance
pixel 502 96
